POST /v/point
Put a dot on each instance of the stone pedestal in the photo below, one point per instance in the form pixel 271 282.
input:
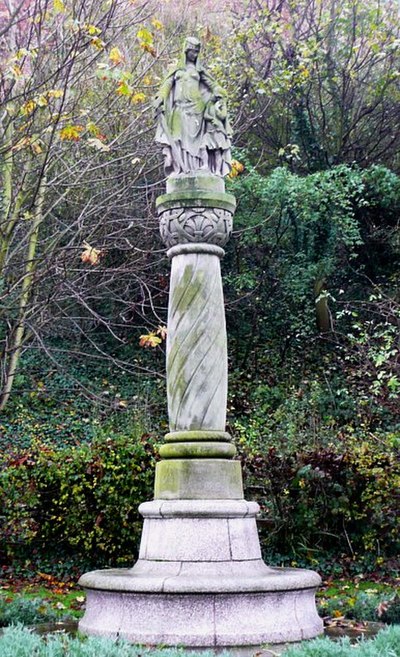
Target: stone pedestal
pixel 200 580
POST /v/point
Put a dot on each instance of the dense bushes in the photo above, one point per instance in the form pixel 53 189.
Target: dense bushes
pixel 26 611
pixel 369 605
pixel 75 505
pixel 339 504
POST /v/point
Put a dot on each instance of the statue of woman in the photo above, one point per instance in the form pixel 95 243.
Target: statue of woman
pixel 193 125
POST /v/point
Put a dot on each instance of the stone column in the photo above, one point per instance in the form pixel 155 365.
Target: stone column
pixel 195 222
pixel 200 580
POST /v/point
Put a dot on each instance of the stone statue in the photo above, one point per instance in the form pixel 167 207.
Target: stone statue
pixel 193 125
pixel 200 580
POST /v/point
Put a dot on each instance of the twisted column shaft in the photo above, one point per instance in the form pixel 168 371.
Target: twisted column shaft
pixel 196 344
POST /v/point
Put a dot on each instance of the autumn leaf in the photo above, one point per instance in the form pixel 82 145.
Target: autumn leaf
pixel 145 36
pixel 59 6
pixel 146 40
pixel 237 169
pixel 116 56
pixel 71 133
pixel 55 93
pixel 162 332
pixel 124 89
pixel 157 24
pixel 92 30
pixel 16 71
pixel 149 49
pixel 149 340
pixel 28 107
pixel 97 43
pixel 138 97
pixel 91 255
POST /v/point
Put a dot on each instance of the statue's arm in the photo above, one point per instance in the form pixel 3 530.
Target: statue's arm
pixel 211 84
pixel 163 93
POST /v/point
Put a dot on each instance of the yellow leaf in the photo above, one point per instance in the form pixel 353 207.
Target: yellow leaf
pixel 92 30
pixel 157 24
pixel 138 97
pixel 149 340
pixel 236 169
pixel 93 128
pixel 16 71
pixel 124 89
pixel 59 6
pixel 71 133
pixel 116 56
pixel 97 43
pixel 90 254
pixel 22 52
pixel 145 36
pixel 55 93
pixel 149 49
pixel 28 107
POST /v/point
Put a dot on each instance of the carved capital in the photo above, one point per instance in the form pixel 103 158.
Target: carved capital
pixel 195 225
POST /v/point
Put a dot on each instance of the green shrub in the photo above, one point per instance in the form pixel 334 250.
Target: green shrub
pixel 20 642
pixel 75 503
pixel 327 505
pixel 363 606
pixel 26 611
pixel 385 644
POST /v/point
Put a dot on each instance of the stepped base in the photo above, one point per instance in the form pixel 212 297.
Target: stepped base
pixel 200 582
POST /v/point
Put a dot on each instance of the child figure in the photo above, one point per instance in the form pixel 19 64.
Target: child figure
pixel 216 138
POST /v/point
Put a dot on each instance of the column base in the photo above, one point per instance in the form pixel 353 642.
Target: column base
pixel 200 582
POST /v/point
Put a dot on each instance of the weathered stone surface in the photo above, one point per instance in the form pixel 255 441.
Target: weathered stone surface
pixel 192 119
pixel 206 620
pixel 224 508
pixel 248 576
pixel 196 183
pixel 197 450
pixel 196 345
pixel 196 479
pixel 191 436
pixel 197 199
pixel 195 224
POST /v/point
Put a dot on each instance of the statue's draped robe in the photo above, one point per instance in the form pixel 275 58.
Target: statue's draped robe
pixel 181 130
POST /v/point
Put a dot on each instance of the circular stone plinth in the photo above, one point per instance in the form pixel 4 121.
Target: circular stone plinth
pixel 220 619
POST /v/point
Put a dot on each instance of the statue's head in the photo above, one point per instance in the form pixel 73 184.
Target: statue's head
pixel 192 48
